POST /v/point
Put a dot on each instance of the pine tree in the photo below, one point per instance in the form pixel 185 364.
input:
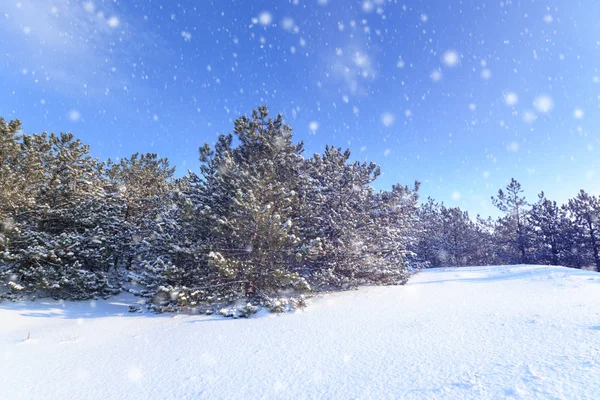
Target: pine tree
pixel 337 217
pixel 428 247
pixel 448 237
pixel 58 239
pixel 391 235
pixel 574 242
pixel 485 242
pixel 584 210
pixel 513 229
pixel 143 182
pixel 250 207
pixel 10 152
pixel 547 220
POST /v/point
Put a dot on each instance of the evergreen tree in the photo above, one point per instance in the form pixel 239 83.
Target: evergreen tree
pixel 513 230
pixel 57 240
pixel 547 220
pixel 391 235
pixel 143 182
pixel 10 175
pixel 584 210
pixel 448 237
pixel 573 242
pixel 337 219
pixel 428 248
pixel 250 207
pixel 485 242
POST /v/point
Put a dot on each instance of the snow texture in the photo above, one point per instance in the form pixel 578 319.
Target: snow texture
pixel 519 332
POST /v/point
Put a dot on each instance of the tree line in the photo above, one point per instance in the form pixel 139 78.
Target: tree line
pixel 542 232
pixel 259 225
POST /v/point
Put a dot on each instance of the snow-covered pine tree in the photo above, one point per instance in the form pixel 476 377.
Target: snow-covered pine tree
pixel 462 234
pixel 249 198
pixel 573 242
pixel 448 237
pixel 391 233
pixel 336 217
pixel 10 181
pixel 513 230
pixel 428 246
pixel 58 237
pixel 584 210
pixel 352 235
pixel 10 195
pixel 548 222
pixel 174 271
pixel 484 242
pixel 144 182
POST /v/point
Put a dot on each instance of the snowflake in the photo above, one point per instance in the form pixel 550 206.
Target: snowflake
pixel 113 22
pixel 543 103
pixel 387 119
pixel 511 98
pixel 74 115
pixel 265 18
pixel 451 58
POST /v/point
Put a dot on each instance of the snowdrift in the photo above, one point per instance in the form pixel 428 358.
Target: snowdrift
pixel 518 332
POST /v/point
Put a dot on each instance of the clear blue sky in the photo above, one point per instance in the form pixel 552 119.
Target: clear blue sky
pixel 459 95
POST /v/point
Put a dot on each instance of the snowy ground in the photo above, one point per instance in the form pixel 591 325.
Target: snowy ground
pixel 523 332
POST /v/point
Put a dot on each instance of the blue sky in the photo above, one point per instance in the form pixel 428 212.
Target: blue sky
pixel 459 95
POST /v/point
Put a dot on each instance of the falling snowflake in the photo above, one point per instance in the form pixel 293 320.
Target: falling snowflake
pixel 436 75
pixel 265 18
pixel 74 115
pixel 186 36
pixel 511 99
pixel 543 103
pixel 288 24
pixel 89 6
pixel 387 119
pixel 113 22
pixel 367 6
pixel 513 146
pixel 578 113
pixel 451 58
pixel 529 117
pixel 313 126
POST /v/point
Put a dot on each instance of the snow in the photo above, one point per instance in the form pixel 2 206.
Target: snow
pixel 387 119
pixel 74 115
pixel 451 58
pixel 543 103
pixel 517 332
pixel 113 22
pixel 511 98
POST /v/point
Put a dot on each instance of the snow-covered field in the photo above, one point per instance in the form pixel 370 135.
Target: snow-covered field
pixel 525 332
